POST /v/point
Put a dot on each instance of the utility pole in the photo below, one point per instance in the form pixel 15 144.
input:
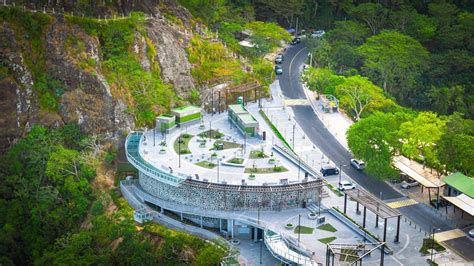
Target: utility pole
pixel 299 167
pixel 296 32
pixel 218 162
pixel 154 132
pixel 299 228
pixel 294 125
pixel 179 150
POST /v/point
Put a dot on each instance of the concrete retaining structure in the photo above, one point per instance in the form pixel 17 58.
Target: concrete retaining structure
pixel 232 197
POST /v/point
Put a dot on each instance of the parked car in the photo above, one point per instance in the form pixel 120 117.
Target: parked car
pixel 471 233
pixel 358 164
pixel 318 34
pixel 295 41
pixel 279 59
pixel 346 185
pixel 278 70
pixel 329 170
pixel 407 185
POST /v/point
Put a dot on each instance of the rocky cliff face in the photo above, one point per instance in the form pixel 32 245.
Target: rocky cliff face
pixel 73 58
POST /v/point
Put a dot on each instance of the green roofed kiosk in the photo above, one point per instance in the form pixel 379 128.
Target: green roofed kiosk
pixel 165 123
pixel 460 192
pixel 187 114
pixel 242 119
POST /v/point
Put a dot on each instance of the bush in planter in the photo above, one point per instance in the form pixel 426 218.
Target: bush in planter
pixel 214 155
pixel 163 143
pixel 251 176
pixel 185 135
pixel 289 226
pixel 277 169
pixel 271 161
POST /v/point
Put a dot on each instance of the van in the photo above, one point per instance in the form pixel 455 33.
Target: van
pixel 329 170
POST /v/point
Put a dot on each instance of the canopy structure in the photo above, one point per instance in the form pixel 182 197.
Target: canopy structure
pixel 461 183
pixel 372 203
pixel 377 206
pixel 416 171
pixel 463 202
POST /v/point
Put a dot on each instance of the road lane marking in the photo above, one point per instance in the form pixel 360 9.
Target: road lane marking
pixel 402 203
pixel 291 102
pixel 291 63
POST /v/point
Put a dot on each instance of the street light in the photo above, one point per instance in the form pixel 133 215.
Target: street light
pixel 432 244
pixel 218 162
pixel 261 247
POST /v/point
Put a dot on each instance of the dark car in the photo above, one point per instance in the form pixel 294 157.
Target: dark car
pixel 329 170
pixel 279 59
pixel 278 70
pixel 295 41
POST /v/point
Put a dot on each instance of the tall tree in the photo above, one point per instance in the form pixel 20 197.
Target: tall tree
pixel 395 61
pixel 374 139
pixel 374 15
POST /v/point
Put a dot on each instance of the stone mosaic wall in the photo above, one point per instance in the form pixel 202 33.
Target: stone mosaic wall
pixel 218 199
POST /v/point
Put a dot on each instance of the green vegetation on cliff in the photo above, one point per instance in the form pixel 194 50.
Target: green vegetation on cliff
pixel 146 94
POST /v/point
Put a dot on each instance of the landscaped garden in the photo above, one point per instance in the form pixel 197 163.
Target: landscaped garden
pixel 258 154
pixel 428 244
pixel 269 170
pixel 303 229
pixel 327 240
pixel 182 142
pixel 206 164
pixel 236 160
pixel 327 227
pixel 214 134
pixel 227 144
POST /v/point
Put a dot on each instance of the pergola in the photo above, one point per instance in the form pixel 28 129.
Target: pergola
pixel 420 174
pixel 241 89
pixel 376 206
pixel 352 253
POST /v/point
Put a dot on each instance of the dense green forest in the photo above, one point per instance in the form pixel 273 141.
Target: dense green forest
pixel 402 69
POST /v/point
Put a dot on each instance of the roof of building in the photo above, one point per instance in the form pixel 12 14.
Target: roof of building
pixel 426 177
pixel 247 118
pixel 463 202
pixel 186 108
pixel 462 183
pixel 237 108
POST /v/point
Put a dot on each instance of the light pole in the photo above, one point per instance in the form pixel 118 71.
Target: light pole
pixel 340 173
pixel 218 162
pixel 179 150
pixel 210 129
pixel 261 247
pixel 432 245
pixel 299 228
pixel 299 167
pixel 294 125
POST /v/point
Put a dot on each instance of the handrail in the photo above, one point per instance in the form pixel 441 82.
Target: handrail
pixel 132 152
pixel 283 255
pixel 295 158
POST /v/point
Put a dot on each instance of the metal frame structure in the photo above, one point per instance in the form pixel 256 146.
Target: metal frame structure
pixel 377 206
pixel 364 248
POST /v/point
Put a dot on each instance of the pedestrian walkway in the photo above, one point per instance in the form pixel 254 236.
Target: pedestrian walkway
pixel 402 203
pixel 448 235
pixel 292 102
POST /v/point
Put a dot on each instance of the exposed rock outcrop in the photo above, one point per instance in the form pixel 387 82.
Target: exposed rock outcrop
pixel 170 44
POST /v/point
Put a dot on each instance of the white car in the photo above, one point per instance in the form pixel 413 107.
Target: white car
pixel 358 164
pixel 346 185
pixel 318 34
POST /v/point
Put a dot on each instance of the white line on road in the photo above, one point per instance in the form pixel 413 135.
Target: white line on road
pixel 289 68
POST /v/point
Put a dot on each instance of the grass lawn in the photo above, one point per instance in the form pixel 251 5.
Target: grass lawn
pixel 303 230
pixel 257 155
pixel 228 144
pixel 184 144
pixel 327 239
pixel 269 170
pixel 236 160
pixel 347 257
pixel 206 164
pixel 327 227
pixel 427 243
pixel 214 134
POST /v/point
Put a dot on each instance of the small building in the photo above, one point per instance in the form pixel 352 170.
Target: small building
pixel 242 119
pixel 166 122
pixel 460 192
pixel 186 114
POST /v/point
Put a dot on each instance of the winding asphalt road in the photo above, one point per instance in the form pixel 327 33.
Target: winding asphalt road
pixel 292 88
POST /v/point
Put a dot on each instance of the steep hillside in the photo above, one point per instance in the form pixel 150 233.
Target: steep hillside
pixel 105 76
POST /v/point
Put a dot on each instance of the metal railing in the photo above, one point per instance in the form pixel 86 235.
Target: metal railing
pixel 284 254
pixel 133 156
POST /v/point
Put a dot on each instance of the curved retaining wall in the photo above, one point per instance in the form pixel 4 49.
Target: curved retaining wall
pixel 232 197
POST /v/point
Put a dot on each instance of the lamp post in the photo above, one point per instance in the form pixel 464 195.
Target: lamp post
pixel 299 228
pixel 299 167
pixel 294 125
pixel 218 162
pixel 432 244
pixel 340 173
pixel 179 150
pixel 261 247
